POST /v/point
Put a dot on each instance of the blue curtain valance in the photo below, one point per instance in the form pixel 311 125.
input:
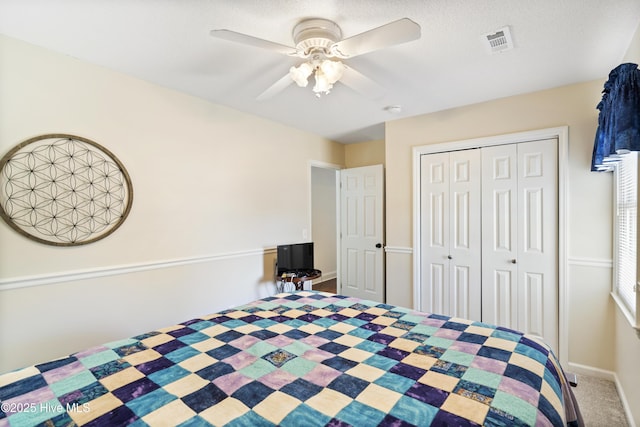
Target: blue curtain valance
pixel 618 130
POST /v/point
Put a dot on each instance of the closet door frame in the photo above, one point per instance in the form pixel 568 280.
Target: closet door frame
pixel 562 135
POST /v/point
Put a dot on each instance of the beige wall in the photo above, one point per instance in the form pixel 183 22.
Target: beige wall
pixel 364 154
pixel 205 218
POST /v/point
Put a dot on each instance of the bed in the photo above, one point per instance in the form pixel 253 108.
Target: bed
pixel 301 359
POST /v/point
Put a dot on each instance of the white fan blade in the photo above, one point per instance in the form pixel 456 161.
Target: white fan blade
pixel 275 88
pixel 361 83
pixel 396 32
pixel 253 41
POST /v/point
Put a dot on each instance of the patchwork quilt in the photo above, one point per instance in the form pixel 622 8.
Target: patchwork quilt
pixel 299 359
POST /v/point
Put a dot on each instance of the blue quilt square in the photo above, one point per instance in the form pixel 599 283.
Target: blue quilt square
pixel 472 338
pixel 381 362
pixel 304 415
pixel 524 376
pixel 430 350
pixel 296 334
pixel 324 322
pixel 427 394
pixel 394 314
pixel 339 363
pixel 135 389
pixel 221 319
pixel 204 398
pixel 358 414
pixel 146 335
pixel 447 419
pixel 301 389
pixel 449 368
pixel 120 416
pixel 329 334
pixel 168 375
pixel 180 332
pixel 223 352
pixel 455 326
pixel 391 421
pixel 22 386
pixel 194 338
pixel 109 368
pixel 309 318
pixel 413 411
pixel 251 318
pixel 348 385
pixel 403 324
pixel 169 346
pixel 182 353
pixel 494 353
pixel 228 336
pixel 500 418
pixel 147 403
pixel 534 345
pixel 549 411
pixel 382 338
pixel 152 366
pixel 408 371
pixel 128 349
pixel 374 327
pixel 333 347
pixel 253 393
pixel 263 334
pixel 216 370
pixel 393 353
pixel 250 419
pixel 44 367
pixel 394 382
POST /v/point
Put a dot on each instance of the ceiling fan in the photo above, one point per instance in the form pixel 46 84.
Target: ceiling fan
pixel 319 41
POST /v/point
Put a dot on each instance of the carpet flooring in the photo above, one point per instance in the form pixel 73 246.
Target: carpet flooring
pixel 599 402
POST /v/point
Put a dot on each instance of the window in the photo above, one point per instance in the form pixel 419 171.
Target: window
pixel 626 180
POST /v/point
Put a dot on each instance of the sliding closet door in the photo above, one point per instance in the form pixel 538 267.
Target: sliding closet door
pixel 520 237
pixel 450 224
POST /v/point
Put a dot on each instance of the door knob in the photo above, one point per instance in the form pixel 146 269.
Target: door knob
pixel 513 261
pixel 378 245
pixel 449 257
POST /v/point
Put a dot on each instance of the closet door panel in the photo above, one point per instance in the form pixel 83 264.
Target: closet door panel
pixel 499 233
pixel 434 200
pixel 537 252
pixel 450 228
pixel 465 264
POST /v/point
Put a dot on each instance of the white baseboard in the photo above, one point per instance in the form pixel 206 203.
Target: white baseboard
pixel 327 276
pixel 607 375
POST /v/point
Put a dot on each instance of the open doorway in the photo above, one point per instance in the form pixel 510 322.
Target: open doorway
pixel 324 224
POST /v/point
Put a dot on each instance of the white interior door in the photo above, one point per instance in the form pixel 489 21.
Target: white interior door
pixel 362 232
pixel 450 241
pixel 520 237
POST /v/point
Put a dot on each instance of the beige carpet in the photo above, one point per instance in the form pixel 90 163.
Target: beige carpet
pixel 599 402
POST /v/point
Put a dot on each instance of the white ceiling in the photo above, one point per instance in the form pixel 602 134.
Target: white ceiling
pixel 167 42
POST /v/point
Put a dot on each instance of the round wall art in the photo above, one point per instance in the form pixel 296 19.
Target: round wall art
pixel 63 190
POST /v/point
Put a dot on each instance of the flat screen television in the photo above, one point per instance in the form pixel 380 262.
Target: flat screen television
pixel 297 257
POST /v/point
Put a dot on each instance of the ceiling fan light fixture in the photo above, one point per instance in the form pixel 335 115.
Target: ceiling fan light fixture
pixel 323 84
pixel 301 73
pixel 332 70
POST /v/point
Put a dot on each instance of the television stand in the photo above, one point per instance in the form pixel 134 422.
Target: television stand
pixel 295 280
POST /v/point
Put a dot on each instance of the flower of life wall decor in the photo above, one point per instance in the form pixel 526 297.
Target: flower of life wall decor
pixel 63 190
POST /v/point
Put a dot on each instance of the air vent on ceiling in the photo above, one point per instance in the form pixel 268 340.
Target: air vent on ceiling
pixel 499 41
